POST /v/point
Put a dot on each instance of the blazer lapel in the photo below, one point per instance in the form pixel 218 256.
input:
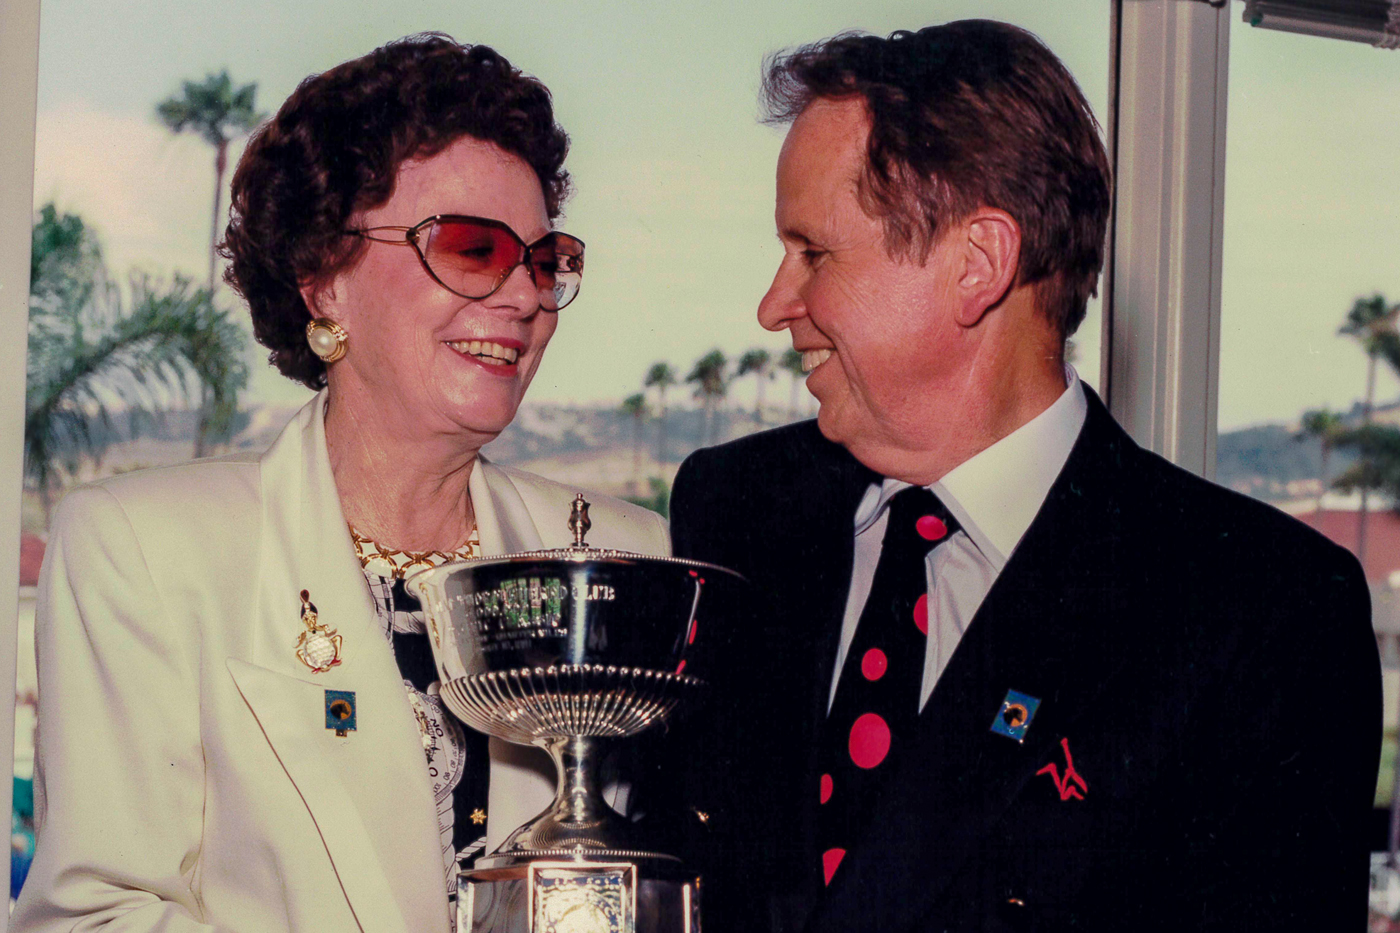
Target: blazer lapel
pixel 522 777
pixel 1051 627
pixel 322 773
pixel 368 792
pixel 503 523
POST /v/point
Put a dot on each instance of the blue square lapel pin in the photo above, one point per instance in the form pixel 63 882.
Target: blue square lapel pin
pixel 340 711
pixel 1015 716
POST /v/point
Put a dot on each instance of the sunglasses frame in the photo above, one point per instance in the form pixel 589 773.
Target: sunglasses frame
pixel 412 235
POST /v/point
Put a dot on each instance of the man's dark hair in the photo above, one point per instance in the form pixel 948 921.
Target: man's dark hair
pixel 334 151
pixel 965 115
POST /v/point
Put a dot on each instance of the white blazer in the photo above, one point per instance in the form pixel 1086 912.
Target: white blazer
pixel 185 779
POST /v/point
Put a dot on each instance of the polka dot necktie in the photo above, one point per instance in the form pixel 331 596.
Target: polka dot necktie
pixel 877 697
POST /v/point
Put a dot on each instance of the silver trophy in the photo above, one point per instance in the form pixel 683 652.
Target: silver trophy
pixel 569 649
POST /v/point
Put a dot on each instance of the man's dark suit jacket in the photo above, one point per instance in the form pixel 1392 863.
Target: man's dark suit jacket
pixel 1208 659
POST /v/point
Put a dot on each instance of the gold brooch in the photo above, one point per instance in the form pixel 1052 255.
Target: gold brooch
pixel 319 646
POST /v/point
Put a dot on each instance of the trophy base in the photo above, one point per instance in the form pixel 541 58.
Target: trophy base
pixel 576 897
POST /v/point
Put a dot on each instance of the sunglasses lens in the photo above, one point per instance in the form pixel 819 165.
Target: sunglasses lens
pixel 469 258
pixel 473 259
pixel 556 261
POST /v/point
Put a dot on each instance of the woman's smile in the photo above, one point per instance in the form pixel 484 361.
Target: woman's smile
pixel 498 356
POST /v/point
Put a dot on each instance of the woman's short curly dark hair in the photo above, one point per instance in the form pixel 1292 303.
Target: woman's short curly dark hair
pixel 334 150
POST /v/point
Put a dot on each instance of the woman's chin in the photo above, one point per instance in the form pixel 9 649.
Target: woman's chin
pixel 482 415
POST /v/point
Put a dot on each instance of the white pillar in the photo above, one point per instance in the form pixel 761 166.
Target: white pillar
pixel 1161 361
pixel 19 68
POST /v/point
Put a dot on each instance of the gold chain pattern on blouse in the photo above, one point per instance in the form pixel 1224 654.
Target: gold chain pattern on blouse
pixel 397 564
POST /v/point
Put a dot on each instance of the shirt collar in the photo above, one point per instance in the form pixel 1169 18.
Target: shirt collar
pixel 996 494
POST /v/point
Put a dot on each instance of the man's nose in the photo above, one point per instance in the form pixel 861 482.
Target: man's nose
pixel 782 304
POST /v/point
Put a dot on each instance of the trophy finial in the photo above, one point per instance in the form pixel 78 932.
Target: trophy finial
pixel 578 520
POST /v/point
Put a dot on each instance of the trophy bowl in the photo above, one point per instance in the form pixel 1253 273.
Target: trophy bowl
pixel 569 650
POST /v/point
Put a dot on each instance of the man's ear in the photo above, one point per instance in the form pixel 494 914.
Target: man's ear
pixel 990 241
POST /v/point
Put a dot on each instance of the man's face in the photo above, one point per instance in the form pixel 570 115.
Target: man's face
pixel 886 358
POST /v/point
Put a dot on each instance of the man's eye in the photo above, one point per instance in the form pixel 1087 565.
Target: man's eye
pixel 812 256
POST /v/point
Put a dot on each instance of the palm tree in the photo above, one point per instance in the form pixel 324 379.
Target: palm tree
pixel 77 368
pixel 65 261
pixel 213 348
pixel 759 362
pixel 1372 323
pixel 791 363
pixel 660 377
pixel 709 378
pixel 635 407
pixel 218 112
pixel 1328 427
pixel 86 353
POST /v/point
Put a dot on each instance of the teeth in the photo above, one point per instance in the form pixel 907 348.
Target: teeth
pixel 486 351
pixel 811 359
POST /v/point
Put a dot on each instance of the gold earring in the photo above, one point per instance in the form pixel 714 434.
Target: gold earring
pixel 326 338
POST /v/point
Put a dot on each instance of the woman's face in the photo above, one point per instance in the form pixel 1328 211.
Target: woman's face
pixel 420 358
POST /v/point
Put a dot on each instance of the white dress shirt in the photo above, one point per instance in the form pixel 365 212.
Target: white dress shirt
pixel 994 496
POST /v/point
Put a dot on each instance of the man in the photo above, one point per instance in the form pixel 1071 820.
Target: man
pixel 1009 670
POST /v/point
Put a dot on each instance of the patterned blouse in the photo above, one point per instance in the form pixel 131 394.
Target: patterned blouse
pixel 457 757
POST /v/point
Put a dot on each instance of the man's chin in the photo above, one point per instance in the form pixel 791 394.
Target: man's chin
pixel 872 452
pixel 838 430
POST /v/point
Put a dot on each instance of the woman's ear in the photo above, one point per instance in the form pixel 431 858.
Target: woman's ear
pixel 321 300
pixel 991 243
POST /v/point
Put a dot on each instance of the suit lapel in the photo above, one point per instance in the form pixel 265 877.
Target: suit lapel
pixel 368 792
pixel 826 551
pixel 820 554
pixel 1050 627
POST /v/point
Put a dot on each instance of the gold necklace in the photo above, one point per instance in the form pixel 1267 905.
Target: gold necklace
pixel 400 563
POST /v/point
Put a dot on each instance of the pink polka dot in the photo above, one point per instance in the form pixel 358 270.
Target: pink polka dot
pixel 827 787
pixel 931 528
pixel 681 666
pixel 874 664
pixel 831 860
pixel 870 741
pixel 921 613
pixel 694 624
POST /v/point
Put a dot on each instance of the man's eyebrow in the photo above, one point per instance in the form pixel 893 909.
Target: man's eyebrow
pixel 793 233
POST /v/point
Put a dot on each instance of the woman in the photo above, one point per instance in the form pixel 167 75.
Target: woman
pixel 392 235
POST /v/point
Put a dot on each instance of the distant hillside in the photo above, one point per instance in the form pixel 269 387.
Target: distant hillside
pixel 1268 462
pixel 548 430
pixel 590 444
pixel 593 445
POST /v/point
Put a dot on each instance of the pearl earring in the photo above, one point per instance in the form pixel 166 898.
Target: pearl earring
pixel 326 338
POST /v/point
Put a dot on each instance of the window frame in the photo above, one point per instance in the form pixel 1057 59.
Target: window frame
pixel 1160 367
pixel 19 76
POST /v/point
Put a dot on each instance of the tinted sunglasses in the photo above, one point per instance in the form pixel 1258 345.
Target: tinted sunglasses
pixel 473 256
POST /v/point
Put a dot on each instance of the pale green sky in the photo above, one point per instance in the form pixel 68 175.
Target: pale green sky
pixel 674 175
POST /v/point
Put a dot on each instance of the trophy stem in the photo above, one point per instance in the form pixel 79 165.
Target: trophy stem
pixel 579 824
pixel 578 798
